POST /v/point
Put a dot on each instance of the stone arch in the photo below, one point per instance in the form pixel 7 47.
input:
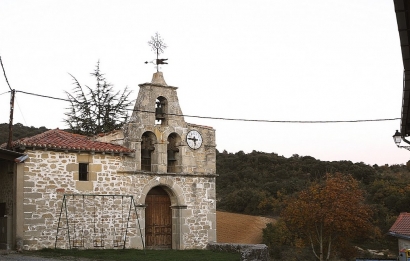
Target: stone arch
pixel 178 204
pixel 174 191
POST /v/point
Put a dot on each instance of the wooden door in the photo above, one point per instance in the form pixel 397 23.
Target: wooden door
pixel 158 233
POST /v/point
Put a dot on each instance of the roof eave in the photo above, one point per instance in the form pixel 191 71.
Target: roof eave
pixel 390 233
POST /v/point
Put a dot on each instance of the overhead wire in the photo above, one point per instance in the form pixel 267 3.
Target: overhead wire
pixel 233 119
pixel 271 121
pixel 44 96
pixel 5 76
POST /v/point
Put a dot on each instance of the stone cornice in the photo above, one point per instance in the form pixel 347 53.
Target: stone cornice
pixel 157 85
pixel 167 174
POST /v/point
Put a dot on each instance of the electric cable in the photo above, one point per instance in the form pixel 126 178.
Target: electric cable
pixel 4 72
pixel 233 119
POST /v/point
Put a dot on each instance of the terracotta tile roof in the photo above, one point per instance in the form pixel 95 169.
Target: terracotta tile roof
pixel 62 140
pixel 402 225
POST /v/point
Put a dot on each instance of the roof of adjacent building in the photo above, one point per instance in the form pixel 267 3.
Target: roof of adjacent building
pixel 402 8
pixel 62 140
pixel 401 228
pixel 10 155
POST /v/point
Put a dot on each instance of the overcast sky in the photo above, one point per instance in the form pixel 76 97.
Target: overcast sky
pixel 316 60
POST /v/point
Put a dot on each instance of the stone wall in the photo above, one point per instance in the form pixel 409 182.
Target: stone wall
pixel 49 175
pixel 259 252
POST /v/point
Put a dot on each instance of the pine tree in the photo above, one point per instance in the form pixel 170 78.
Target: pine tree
pixel 97 110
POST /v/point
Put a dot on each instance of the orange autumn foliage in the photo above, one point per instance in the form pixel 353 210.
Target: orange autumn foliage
pixel 329 213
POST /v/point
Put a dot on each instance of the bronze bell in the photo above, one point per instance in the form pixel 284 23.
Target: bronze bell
pixel 145 154
pixel 171 155
pixel 159 113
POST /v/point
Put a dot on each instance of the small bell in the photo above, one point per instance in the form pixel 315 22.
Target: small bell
pixel 145 154
pixel 171 155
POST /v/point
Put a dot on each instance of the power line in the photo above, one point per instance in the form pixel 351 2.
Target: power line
pixel 4 72
pixel 44 96
pixel 233 119
pixel 4 93
pixel 270 121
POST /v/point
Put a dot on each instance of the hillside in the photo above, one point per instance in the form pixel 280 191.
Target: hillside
pixel 239 228
pixel 19 131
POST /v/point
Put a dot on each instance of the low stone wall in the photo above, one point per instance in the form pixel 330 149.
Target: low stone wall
pixel 257 252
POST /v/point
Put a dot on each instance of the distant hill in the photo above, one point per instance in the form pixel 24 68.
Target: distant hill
pixel 19 131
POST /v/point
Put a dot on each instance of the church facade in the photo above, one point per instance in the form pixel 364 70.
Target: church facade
pixel 149 185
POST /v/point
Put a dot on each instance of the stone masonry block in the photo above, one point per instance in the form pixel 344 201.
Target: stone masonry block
pixel 84 158
pixel 72 167
pixel 92 176
pixel 34 221
pixel 33 195
pixel 95 168
pixel 29 208
pixel 28 184
pixel 84 185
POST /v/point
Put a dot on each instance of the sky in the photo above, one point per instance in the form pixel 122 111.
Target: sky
pixel 317 60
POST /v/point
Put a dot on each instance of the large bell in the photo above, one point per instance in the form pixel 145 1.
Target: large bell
pixel 171 155
pixel 145 154
pixel 160 113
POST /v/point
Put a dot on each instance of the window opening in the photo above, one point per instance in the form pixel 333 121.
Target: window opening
pixel 83 171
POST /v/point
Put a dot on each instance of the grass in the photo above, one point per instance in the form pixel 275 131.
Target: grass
pixel 137 255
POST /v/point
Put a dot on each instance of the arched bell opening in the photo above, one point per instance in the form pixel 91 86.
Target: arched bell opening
pixel 148 140
pixel 161 110
pixel 158 219
pixel 173 155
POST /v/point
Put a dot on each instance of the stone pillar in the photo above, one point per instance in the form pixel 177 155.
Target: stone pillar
pixel 161 154
pixel 136 145
pixel 177 238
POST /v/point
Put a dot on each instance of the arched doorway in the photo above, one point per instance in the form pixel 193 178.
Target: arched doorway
pixel 158 216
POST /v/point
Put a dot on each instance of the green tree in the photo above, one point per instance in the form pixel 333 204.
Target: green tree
pixel 329 214
pixel 96 110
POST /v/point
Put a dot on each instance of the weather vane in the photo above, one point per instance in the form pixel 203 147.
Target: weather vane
pixel 157 45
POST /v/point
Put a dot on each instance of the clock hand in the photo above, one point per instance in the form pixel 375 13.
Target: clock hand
pixel 193 139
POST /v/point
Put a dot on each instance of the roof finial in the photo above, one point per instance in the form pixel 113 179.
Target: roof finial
pixel 157 45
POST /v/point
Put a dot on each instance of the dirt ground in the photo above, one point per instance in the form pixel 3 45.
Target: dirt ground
pixel 238 228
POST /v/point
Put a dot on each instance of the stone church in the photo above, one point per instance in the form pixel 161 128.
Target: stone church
pixel 149 185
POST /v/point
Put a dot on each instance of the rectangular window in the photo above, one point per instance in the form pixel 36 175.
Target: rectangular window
pixel 83 171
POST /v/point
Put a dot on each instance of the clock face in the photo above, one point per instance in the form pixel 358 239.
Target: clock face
pixel 194 139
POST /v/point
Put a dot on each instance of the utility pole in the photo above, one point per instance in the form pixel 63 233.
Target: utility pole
pixel 13 92
pixel 10 140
